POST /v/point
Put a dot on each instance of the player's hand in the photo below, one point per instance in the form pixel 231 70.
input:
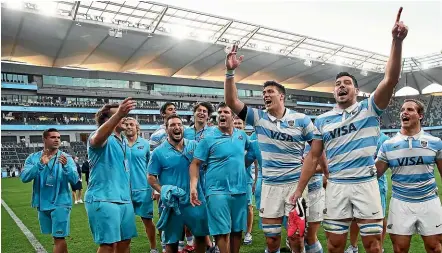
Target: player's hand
pixel 400 30
pixel 194 198
pixel 295 197
pixel 232 62
pixel 126 106
pixel 45 157
pixel 155 196
pixel 63 160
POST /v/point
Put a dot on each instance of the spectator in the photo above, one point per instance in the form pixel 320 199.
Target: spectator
pixel 85 169
pixel 76 188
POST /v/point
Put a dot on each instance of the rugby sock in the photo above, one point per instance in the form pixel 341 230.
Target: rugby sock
pixel 278 251
pixel 189 240
pixel 181 246
pixel 314 248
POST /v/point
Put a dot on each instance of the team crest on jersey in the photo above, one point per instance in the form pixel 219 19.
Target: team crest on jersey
pixel 140 147
pixel 424 144
pixel 291 123
pixel 240 137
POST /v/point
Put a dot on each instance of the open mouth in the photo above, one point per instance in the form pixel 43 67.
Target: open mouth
pixel 405 119
pixel 268 102
pixel 342 93
pixel 222 120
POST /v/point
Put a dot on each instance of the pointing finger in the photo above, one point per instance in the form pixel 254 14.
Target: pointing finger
pixel 398 17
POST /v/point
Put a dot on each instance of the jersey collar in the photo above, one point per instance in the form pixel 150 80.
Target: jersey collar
pixel 416 136
pixel 273 118
pixel 348 109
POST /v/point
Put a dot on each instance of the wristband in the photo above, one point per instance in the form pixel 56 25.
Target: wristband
pixel 230 73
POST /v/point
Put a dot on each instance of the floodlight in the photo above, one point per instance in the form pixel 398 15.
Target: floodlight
pixel 364 72
pixel 308 63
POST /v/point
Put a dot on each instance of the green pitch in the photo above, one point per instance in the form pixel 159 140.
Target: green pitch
pixel 18 196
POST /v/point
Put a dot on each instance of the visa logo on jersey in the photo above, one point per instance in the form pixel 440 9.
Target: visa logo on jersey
pixel 281 136
pixel 344 130
pixel 407 161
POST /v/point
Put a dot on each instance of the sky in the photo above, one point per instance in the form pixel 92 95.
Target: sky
pixel 361 24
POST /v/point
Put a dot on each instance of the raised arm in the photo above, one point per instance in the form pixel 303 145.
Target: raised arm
pixel 386 87
pixel 104 131
pixel 194 171
pixel 230 90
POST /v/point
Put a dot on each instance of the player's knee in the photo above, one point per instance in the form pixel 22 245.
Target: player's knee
pixel 372 228
pixel 271 230
pixel 433 247
pixel 336 227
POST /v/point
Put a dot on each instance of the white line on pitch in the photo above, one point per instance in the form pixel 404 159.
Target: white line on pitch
pixel 31 238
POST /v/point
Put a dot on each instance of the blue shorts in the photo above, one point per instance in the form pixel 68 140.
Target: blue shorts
pixel 249 194
pixel 111 222
pixel 143 203
pixel 194 218
pixel 227 213
pixel 55 222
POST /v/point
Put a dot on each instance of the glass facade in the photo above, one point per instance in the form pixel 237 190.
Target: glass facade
pixel 200 90
pixel 86 82
pixel 15 78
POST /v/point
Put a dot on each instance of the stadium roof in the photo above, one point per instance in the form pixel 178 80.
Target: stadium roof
pixel 157 39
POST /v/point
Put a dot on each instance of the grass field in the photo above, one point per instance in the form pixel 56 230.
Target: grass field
pixel 18 196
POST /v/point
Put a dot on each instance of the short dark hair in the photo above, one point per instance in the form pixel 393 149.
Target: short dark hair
pixel 104 113
pixel 278 86
pixel 164 107
pixel 49 130
pixel 208 105
pixel 420 105
pixel 173 116
pixel 341 74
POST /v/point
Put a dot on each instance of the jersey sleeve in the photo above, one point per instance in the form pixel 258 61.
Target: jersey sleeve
pixel 381 155
pixel 252 116
pixel 202 150
pixel 154 166
pixel 372 107
pixel 309 131
pixel 439 150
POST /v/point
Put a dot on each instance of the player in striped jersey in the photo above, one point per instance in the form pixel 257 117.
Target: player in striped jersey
pixel 282 134
pixel 160 135
pixel 316 202
pixel 349 133
pixel 415 206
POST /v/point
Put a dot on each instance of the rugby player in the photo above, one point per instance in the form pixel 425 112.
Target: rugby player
pixel 415 207
pixel 350 132
pixel 282 134
pixel 251 181
pixel 160 135
pixel 225 188
pixel 141 192
pixel 108 196
pixel 51 171
pixel 169 165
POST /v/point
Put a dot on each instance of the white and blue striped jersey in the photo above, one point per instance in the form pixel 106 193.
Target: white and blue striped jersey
pixel 350 139
pixel 315 183
pixel 282 143
pixel 412 160
pixel 158 137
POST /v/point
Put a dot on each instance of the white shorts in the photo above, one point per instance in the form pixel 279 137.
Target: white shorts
pixel 316 204
pixel 358 200
pixel 406 218
pixel 275 200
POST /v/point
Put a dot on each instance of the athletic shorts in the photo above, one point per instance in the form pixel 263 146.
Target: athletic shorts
pixel 249 194
pixel 194 218
pixel 407 218
pixel 275 200
pixel 226 213
pixel 384 201
pixel 111 222
pixel 316 204
pixel 55 222
pixel 143 203
pixel 258 192
pixel 358 200
pixel 77 186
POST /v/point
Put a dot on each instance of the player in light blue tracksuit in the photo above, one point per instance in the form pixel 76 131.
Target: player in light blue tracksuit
pixel 51 171
pixel 169 166
pixel 138 158
pixel 108 197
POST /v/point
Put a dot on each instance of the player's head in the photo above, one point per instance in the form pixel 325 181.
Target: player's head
pixel 132 127
pixel 174 128
pixel 105 113
pixel 76 159
pixel 412 113
pixel 202 112
pixel 51 138
pixel 273 95
pixel 346 89
pixel 167 109
pixel 225 116
pixel 238 123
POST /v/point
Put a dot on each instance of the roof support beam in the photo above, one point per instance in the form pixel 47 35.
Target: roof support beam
pixel 294 45
pixel 250 37
pixel 75 10
pixel 17 34
pixel 222 30
pixel 62 43
pixel 160 18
